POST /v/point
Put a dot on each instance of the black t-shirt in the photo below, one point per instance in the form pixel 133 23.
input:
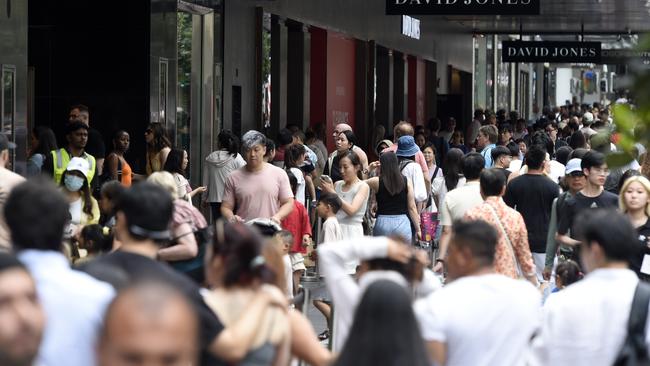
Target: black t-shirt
pixel 127 268
pixel 574 205
pixel 95 145
pixel 637 259
pixel 532 195
pixel 505 171
pixel 334 170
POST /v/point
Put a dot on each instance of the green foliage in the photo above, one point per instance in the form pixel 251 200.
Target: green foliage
pixel 633 124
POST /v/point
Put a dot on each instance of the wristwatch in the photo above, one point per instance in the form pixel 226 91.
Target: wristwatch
pixel 440 260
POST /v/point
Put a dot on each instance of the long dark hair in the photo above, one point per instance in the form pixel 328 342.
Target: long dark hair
pixel 228 141
pixel 160 139
pixel 174 162
pixel 452 168
pixel 240 247
pixel 384 331
pixel 292 154
pixel 46 140
pixel 85 194
pixel 390 174
pixel 351 137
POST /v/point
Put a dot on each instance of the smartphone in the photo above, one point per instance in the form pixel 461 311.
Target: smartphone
pixel 326 178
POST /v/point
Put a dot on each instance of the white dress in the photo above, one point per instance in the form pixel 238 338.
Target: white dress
pixel 351 225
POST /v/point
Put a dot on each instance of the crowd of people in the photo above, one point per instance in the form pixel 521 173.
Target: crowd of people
pixel 498 241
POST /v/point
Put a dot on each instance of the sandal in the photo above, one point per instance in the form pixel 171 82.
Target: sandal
pixel 325 335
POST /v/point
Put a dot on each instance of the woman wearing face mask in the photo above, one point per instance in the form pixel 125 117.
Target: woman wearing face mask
pixel 84 209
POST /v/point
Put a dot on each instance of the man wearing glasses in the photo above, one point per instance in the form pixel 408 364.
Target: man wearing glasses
pixel 593 195
pixel 551 131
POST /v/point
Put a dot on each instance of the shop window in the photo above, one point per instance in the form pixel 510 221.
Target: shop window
pixel 8 95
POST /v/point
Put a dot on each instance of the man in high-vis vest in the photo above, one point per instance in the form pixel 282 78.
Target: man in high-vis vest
pixel 76 134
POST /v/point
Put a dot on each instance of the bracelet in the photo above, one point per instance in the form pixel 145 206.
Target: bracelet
pixel 440 260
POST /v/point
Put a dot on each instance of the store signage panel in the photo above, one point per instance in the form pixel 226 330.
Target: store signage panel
pixel 558 52
pixel 625 56
pixel 410 27
pixel 463 7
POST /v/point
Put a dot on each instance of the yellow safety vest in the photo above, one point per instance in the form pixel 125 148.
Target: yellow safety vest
pixel 61 158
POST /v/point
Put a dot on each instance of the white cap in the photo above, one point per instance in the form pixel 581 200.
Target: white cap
pixel 588 116
pixel 78 164
pixel 573 165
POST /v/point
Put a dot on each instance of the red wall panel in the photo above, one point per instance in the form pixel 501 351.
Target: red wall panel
pixel 340 82
pixel 318 77
pixel 416 90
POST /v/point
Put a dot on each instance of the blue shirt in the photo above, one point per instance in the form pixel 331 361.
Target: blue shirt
pixel 487 155
pixel 74 304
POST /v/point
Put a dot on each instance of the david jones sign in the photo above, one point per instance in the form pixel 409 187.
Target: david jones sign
pixel 462 7
pixel 575 52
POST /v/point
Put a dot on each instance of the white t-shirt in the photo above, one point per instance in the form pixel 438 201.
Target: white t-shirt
pixel 75 211
pixel 459 201
pixel 413 172
pixel 288 275
pixel 300 189
pixel 586 323
pixel 483 320
pixel 439 189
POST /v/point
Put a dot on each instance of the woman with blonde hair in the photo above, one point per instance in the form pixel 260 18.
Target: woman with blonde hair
pixel 185 253
pixel 634 201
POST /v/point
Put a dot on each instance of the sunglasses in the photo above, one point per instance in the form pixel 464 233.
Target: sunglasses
pixel 577 174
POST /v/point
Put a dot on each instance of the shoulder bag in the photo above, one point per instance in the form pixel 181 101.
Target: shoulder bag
pixel 509 243
pixel 634 351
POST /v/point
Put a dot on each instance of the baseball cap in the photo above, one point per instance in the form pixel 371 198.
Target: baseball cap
pixel 5 144
pixel 573 166
pixel 78 164
pixel 588 116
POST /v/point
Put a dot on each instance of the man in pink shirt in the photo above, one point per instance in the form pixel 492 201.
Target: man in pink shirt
pixel 404 128
pixel 258 189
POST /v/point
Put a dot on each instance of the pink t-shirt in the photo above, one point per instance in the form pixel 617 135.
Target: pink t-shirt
pixel 258 194
pixel 419 158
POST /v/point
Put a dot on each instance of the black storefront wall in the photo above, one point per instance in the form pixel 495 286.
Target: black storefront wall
pixel 97 54
pixel 13 65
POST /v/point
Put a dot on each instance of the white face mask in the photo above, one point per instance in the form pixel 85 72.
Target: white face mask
pixel 73 183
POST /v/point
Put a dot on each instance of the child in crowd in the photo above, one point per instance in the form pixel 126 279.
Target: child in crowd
pixel 94 240
pixel 108 196
pixel 298 224
pixel 328 205
pixel 566 273
pixel 284 239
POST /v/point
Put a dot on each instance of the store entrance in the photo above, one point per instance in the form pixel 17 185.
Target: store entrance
pixel 195 85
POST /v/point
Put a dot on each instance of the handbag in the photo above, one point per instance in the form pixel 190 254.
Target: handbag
pixel 505 235
pixel 634 351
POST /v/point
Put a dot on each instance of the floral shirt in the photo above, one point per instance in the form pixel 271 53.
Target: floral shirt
pixel 513 224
